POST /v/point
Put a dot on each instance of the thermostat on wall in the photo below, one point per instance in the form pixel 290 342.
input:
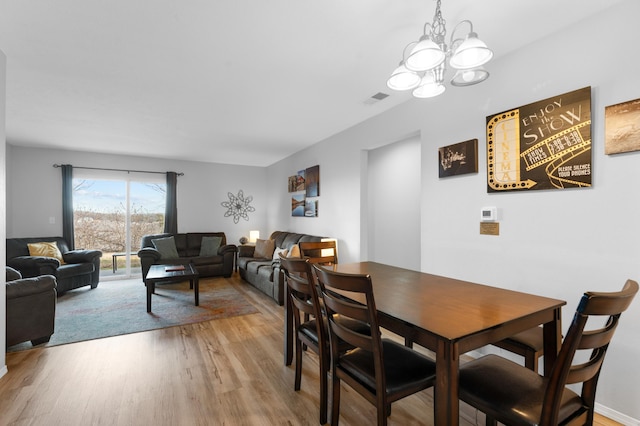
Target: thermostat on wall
pixel 488 214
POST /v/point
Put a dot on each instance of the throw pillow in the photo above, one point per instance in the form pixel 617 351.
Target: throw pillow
pixel 277 251
pixel 210 246
pixel 264 249
pixel 294 252
pixel 166 247
pixel 46 249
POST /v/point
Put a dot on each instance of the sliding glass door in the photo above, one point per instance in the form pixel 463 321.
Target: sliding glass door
pixel 112 211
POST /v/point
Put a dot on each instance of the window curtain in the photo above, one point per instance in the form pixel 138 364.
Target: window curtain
pixel 171 209
pixel 67 205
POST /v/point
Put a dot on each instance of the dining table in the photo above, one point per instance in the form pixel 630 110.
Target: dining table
pixel 449 317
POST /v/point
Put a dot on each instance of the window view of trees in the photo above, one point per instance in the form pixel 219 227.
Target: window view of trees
pixel 100 216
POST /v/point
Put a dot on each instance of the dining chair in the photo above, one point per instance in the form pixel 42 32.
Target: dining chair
pixel 514 395
pixel 528 344
pixel 309 329
pixel 321 252
pixel 381 370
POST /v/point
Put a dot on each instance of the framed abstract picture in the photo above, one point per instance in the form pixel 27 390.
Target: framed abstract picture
pixel 458 159
pixel 622 127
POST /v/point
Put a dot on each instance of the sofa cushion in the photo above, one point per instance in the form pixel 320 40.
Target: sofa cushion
pixel 264 249
pixel 210 246
pixel 207 260
pixel 74 269
pixel 290 240
pixel 166 247
pixel 45 249
pixel 254 266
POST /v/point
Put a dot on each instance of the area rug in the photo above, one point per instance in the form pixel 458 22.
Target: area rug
pixel 120 307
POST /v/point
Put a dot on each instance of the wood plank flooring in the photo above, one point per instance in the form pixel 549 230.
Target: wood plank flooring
pixel 221 372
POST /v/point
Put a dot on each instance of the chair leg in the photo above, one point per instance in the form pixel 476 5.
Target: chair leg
pixel 40 340
pixel 335 400
pixel 324 391
pixel 531 361
pixel 298 378
pixel 383 412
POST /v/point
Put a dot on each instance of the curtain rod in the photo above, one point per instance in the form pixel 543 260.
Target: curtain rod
pixel 116 170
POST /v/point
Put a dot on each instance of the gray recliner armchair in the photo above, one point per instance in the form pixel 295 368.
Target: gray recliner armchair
pixel 80 267
pixel 31 308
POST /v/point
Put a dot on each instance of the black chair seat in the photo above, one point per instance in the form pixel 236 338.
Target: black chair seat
pixel 517 397
pixel 404 368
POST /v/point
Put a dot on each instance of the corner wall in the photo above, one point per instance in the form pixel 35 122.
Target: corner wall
pixel 3 213
pixel 556 243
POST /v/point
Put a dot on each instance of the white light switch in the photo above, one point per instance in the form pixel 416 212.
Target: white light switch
pixel 52 220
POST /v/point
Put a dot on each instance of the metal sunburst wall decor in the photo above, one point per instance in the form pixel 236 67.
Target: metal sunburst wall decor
pixel 238 206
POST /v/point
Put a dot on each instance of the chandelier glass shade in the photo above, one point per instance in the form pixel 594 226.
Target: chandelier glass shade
pixel 423 69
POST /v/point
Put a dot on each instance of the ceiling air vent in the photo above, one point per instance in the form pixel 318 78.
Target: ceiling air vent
pixel 375 98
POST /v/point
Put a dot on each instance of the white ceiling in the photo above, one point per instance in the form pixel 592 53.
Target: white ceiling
pixel 228 81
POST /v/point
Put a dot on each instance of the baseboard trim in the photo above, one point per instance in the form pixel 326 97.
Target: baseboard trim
pixel 616 415
pixel 4 370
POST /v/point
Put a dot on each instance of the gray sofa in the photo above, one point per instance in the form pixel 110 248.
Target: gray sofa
pixel 265 274
pixel 188 248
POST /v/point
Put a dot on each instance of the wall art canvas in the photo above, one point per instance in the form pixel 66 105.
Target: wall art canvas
pixel 458 159
pixel 292 183
pixel 622 127
pixel 312 181
pixel 297 205
pixel 300 181
pixel 542 145
pixel 311 208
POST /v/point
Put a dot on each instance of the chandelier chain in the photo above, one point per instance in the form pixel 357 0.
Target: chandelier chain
pixel 438 28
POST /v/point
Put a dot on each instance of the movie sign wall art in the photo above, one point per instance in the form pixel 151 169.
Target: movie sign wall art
pixel 542 145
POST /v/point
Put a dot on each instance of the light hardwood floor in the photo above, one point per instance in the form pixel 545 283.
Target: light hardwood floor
pixel 221 372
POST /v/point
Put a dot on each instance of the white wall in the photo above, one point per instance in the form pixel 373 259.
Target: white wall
pixel 35 188
pixel 3 213
pixel 393 204
pixel 554 243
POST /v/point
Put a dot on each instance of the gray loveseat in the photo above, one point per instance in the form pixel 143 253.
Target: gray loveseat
pixel 189 250
pixel 265 274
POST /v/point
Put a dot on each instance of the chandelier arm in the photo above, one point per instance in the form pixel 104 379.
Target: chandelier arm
pixel 404 52
pixel 453 33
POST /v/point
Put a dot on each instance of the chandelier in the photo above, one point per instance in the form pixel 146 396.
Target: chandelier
pixel 423 69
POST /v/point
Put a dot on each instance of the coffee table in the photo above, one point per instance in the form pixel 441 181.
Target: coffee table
pixel 171 273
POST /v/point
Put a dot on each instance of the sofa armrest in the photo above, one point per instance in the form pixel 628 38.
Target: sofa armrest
pixel 30 286
pixel 149 253
pixel 246 250
pixel 229 248
pixel 81 256
pixel 33 266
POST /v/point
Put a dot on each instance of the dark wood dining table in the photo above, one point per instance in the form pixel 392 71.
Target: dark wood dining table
pixel 449 317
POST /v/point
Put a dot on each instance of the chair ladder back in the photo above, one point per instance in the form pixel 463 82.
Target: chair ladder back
pixel 302 290
pixel 563 372
pixel 359 287
pixel 316 252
